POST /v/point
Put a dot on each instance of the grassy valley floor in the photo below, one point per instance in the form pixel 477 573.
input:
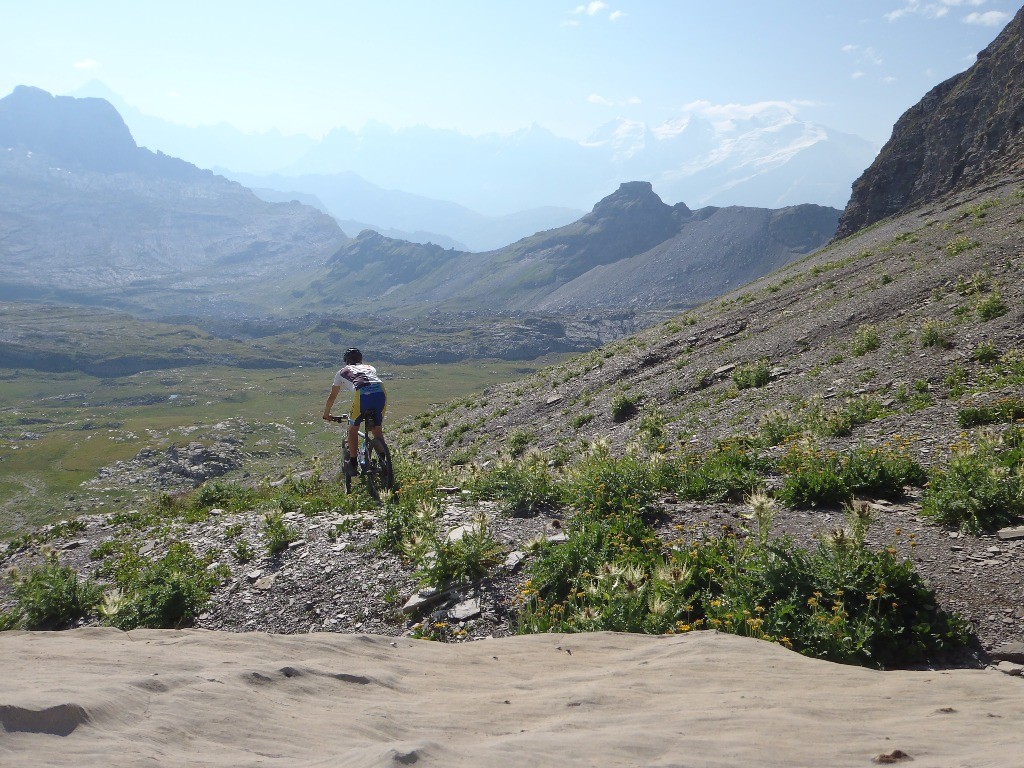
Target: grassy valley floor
pixel 57 430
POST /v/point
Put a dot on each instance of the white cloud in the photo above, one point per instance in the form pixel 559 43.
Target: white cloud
pixel 601 101
pixel 935 10
pixel 858 74
pixel 864 54
pixel 705 108
pixel 86 64
pixel 917 8
pixel 592 8
pixel 889 80
pixel 987 19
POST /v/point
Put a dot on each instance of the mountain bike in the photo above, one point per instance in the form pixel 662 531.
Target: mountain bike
pixel 373 456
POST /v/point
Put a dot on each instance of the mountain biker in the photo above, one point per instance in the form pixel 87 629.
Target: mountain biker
pixel 369 395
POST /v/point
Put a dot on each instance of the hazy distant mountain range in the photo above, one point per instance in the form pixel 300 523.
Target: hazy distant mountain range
pixel 765 158
pixel 631 252
pixel 357 205
pixel 86 215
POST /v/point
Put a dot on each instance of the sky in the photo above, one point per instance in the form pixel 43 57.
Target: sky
pixel 490 66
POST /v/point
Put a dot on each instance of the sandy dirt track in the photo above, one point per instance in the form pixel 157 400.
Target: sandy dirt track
pixel 101 697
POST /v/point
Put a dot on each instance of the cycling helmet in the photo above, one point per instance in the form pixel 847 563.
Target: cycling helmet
pixel 353 356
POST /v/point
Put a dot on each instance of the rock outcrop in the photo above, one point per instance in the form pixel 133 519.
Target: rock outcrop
pixel 963 131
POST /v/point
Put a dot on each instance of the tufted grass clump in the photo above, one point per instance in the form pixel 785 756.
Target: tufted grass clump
pixel 865 339
pixel 982 486
pixel 840 601
pixel 752 375
pixel 841 420
pixel 961 244
pixel 523 486
pixel 728 473
pixel 444 562
pixel 934 334
pixel 1003 410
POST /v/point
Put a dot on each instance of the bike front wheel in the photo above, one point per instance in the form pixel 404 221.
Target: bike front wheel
pixel 379 473
pixel 344 473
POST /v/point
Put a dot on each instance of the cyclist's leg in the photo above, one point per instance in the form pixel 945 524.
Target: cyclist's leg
pixel 353 426
pixel 379 402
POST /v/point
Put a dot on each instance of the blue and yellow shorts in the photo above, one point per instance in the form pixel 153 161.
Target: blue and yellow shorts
pixel 369 397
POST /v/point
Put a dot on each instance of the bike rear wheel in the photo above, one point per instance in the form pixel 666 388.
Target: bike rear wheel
pixel 379 473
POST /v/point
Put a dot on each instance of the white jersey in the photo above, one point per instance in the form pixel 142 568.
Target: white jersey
pixel 356 376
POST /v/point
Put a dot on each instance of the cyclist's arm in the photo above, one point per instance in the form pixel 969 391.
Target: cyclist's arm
pixel 330 402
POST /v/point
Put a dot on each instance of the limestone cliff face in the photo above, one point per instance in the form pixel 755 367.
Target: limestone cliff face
pixel 963 131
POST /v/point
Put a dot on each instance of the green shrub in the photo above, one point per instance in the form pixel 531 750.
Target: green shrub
pixel 865 339
pixel 601 484
pixel 230 496
pixel 752 375
pixel 279 534
pixel 986 353
pixel 813 476
pixel 161 594
pixel 409 513
pixel 981 489
pixel 580 420
pixel 522 486
pixel 51 596
pixel 840 601
pixel 624 407
pixel 1006 409
pixel 992 306
pixel 518 440
pixel 934 334
pixel 467 558
pixel 776 426
pixel 728 473
pixel 243 552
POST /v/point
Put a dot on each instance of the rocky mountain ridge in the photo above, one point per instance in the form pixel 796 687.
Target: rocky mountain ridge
pixel 632 251
pixel 963 132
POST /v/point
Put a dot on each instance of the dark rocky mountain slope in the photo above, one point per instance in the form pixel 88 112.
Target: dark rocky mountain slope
pixel 964 131
pixel 631 251
pixel 87 215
